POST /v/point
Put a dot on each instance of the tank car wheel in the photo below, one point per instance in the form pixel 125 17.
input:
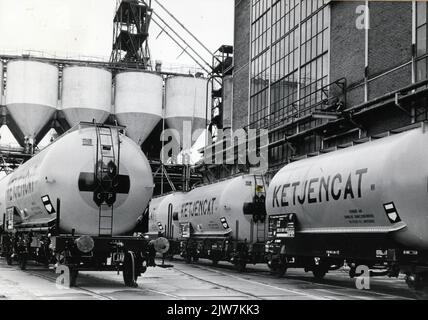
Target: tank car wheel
pixel 319 272
pixel 272 270
pixel 188 258
pixel 9 259
pixel 416 281
pixel 281 270
pixel 240 266
pixel 352 272
pixel 22 261
pixel 130 271
pixel 73 276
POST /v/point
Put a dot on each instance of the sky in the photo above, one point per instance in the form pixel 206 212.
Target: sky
pixel 84 28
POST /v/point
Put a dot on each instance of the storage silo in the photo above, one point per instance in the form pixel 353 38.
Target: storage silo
pixel 86 94
pixel 186 105
pixel 138 103
pixel 31 94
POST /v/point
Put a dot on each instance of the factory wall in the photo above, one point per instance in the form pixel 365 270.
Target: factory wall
pixel 389 47
pixel 241 64
pixel 374 62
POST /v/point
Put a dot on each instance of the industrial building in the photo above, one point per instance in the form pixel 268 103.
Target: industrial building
pixel 322 75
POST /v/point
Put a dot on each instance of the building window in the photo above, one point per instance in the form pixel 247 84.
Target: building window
pixel 421 40
pixel 289 59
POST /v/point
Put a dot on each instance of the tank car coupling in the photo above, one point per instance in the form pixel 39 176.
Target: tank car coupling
pixel 85 244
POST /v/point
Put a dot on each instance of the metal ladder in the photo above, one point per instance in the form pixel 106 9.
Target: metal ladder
pixel 104 177
pixel 260 226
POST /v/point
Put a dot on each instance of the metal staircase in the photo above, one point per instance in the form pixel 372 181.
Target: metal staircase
pixel 106 176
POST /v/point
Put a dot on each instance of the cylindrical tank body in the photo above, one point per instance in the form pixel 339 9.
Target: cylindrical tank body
pixel 162 220
pixel 65 170
pixel 155 227
pixel 138 103
pixel 215 210
pixel 378 187
pixel 86 94
pixel 3 186
pixel 32 94
pixel 186 107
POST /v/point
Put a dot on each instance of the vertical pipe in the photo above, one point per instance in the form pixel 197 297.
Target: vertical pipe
pixel 58 215
pixel 163 131
pixel 249 64
pixel 414 24
pixel 414 41
pixel 169 233
pixel 366 45
pixel 269 62
pixel 252 231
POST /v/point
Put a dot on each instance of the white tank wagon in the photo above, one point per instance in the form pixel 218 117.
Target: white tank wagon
pixel 77 203
pixel 155 225
pixel 86 94
pixel 162 222
pixel 220 221
pixel 138 103
pixel 31 94
pixel 355 204
pixel 186 106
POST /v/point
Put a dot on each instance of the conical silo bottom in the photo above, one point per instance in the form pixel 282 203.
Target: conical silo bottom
pixel 187 129
pixel 30 118
pixel 138 125
pixel 76 115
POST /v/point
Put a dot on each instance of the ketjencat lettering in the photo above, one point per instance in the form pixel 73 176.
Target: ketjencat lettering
pixel 319 189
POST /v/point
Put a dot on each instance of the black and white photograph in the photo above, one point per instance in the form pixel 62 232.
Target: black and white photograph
pixel 213 156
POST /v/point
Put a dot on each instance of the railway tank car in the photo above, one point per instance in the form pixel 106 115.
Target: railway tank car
pixel 354 206
pixel 160 216
pixel 223 221
pixel 76 203
pixel 162 222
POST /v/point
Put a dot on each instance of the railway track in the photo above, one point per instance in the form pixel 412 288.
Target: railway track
pixel 335 286
pixel 245 280
pixel 223 281
pixel 49 275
